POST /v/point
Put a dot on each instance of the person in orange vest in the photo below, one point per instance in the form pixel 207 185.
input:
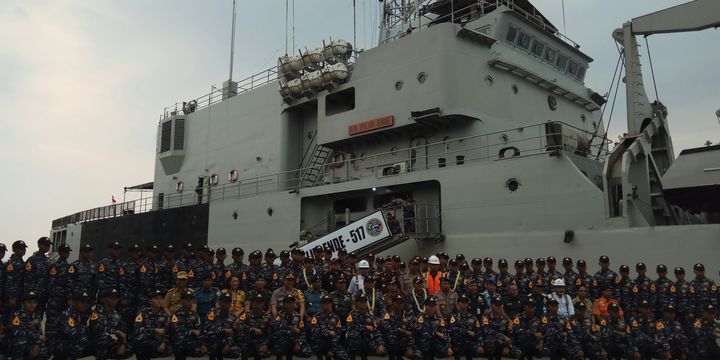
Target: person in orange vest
pixel 433 275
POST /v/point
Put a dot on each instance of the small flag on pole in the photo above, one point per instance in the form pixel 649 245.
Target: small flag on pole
pixel 113 200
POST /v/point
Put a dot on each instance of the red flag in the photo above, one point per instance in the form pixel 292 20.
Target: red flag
pixel 113 200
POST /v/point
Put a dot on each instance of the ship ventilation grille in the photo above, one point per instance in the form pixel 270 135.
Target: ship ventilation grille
pixel 179 141
pixel 166 136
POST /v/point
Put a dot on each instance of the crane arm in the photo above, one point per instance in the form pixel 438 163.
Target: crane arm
pixel 692 16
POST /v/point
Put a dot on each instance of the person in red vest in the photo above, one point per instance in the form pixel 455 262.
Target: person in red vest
pixel 433 276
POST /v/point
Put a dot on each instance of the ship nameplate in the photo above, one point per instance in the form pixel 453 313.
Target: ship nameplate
pixel 370 125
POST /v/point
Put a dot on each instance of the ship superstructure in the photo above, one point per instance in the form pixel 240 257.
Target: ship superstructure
pixel 469 125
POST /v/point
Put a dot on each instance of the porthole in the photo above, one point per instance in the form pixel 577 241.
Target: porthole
pixel 552 102
pixel 398 85
pixel 512 184
pixel 489 80
pixel 270 211
pixel 179 187
pixel 233 176
pixel 214 179
pixel 515 89
pixel 258 159
pixel 422 77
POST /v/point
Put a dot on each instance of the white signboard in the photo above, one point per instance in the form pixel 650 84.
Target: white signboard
pixel 357 235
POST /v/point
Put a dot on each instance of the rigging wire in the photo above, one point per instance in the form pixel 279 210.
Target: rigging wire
pixel 620 61
pixel 652 71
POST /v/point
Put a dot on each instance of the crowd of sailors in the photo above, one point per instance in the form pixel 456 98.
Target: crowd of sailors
pixel 191 302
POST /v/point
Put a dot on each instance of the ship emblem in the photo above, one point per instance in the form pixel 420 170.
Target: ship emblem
pixel 374 227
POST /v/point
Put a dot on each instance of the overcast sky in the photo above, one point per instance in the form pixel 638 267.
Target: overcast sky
pixel 83 82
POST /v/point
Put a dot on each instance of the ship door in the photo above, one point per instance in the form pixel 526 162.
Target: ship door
pixel 203 189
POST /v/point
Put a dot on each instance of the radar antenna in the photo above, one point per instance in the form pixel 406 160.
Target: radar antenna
pixel 399 17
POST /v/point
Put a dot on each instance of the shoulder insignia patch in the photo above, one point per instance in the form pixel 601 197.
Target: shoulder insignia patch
pixel 9 268
pixel 16 321
pixel 139 318
pixel 213 275
pixel 578 282
pixel 714 287
pixel 477 324
pixel 692 289
pixel 486 321
pixel 175 269
pixel 617 279
pixel 349 318
pixel 71 322
pixel 228 274
pixel 101 267
pixel 544 320
pixel 442 322
pixel 421 319
pixel 659 325
pixel 387 316
pixel 594 328
pixel 211 316
pixel 516 321
pixel 635 290
pixel 313 321
pixel 603 322
pixel 499 283
pixel 53 270
pixel 635 324
pixel 673 289
pixel 452 319
pixel 244 275
pixel 338 324
pixel 28 266
pixel 121 271
pixel 627 329
pixel 568 326
pixel 652 287
pixel 71 269
pixel 275 276
pixel 698 323
pixel 243 317
pixel 143 269
pixel 94 316
pixel 466 281
pixel 594 283
pixel 191 274
pixel 174 319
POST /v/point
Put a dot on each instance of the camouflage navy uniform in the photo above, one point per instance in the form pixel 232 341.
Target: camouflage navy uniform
pixel 83 278
pixel 703 292
pixel 14 272
pixel 705 338
pixel 363 336
pixel 147 341
pixel 397 331
pixel 23 332
pixel 585 337
pixel 147 279
pixel 664 292
pixel 642 336
pixel 252 333
pixel 615 337
pixel 58 292
pixel 326 334
pixel 37 279
pixel 184 342
pixel 671 337
pixel 130 290
pixel 527 335
pixel 71 339
pixel 103 327
pixel 108 274
pixel 465 335
pixel 288 336
pixel 219 331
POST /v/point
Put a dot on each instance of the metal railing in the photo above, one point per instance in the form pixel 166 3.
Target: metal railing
pixel 480 9
pixel 543 138
pixel 216 93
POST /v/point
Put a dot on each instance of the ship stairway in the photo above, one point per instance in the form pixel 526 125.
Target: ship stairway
pixel 313 172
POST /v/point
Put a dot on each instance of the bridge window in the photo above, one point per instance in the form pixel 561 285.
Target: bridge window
pixel 562 61
pixel 581 73
pixel 524 40
pixel 572 67
pixel 537 48
pixel 550 55
pixel 512 33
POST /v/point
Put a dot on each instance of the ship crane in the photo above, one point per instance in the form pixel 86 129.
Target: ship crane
pixel 634 170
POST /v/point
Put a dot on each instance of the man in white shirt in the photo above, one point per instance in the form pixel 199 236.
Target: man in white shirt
pixel 565 305
pixel 358 281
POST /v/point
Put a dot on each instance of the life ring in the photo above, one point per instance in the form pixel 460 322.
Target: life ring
pixel 338 160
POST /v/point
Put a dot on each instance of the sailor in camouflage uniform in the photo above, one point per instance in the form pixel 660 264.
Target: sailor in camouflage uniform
pixel 623 291
pixel 14 272
pixel 252 330
pixel 166 277
pixel 259 289
pixel 615 334
pixel 326 332
pixel 572 280
pixel 130 290
pixel 585 335
pixel 685 311
pixel 37 274
pixel 108 269
pixel 342 300
pixel 706 335
pixel 203 267
pixel 107 337
pixel 503 278
pixel 556 333
pixel 219 330
pixel 664 291
pixel 642 331
pixel 254 270
pixel 431 332
pixel 151 330
pixel 396 328
pixel 465 334
pixel 671 337
pixel 521 279
pixel 496 329
pixel 25 338
pixel 604 277
pixel 363 335
pixel 643 290
pixel 288 335
pixel 526 332
pixel 82 273
pixel 703 291
pixel 186 263
pixel 148 274
pixel 186 330
pixel 237 267
pixel 59 285
pixel 221 281
pixel 552 273
pixel 71 339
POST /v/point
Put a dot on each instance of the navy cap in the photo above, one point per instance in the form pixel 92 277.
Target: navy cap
pixel 463 298
pixel 613 306
pixel 4 248
pixel 679 270
pixel 361 297
pixel 134 248
pixel 604 259
pixel 552 301
pixel 710 308
pixel 156 293
pixel 170 248
pixel 551 260
pixel 109 292
pixel 491 281
pixel 270 253
pixel 370 278
pixel 567 261
pixel 30 295
pixel 519 263
pixel 476 261
pixel 115 245
pixel 496 300
pixel 640 266
pixel 530 302
pixel 62 247
pixel 326 299
pixel 187 294
pixel 699 267
pixel 488 260
pixel 79 296
pixel 188 246
pixel 238 251
pixel 431 301
pixel 644 304
pixel 221 250
pixel 661 268
pixel 398 298
pixel 581 263
pixel 225 297
pixel 19 244
pixel 284 253
pixel 259 297
pixel 540 261
pixel 581 306
pixel 624 268
pixel 502 262
pixel 44 240
pixel 670 308
pixel 86 247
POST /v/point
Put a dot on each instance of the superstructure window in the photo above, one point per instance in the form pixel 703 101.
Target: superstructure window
pixel 562 61
pixel 340 102
pixel 512 32
pixel 165 136
pixel 537 48
pixel 581 73
pixel 572 67
pixel 524 41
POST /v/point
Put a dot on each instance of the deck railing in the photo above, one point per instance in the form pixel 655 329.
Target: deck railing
pixel 543 138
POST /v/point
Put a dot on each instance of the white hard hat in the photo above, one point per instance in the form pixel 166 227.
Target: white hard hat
pixel 559 282
pixel 364 264
pixel 433 260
